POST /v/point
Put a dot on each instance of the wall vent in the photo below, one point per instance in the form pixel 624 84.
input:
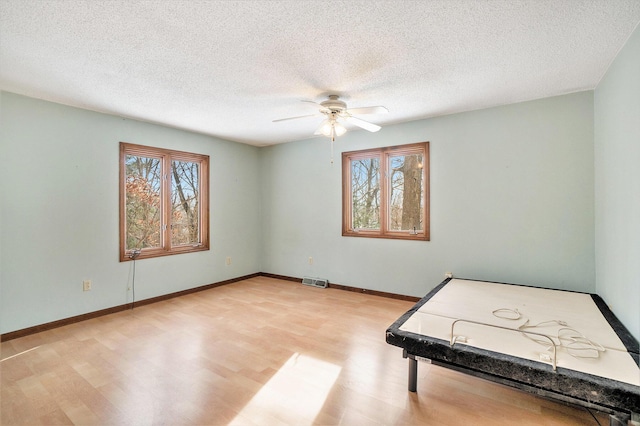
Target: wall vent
pixel 315 282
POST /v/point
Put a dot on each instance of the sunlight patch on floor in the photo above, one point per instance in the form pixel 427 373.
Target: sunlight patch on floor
pixel 294 395
pixel 18 354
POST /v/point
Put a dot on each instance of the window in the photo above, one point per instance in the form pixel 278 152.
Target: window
pixel 385 192
pixel 164 202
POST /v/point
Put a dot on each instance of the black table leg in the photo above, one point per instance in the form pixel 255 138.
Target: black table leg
pixel 413 371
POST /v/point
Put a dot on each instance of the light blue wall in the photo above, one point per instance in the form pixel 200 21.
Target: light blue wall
pixel 59 213
pixel 617 185
pixel 511 200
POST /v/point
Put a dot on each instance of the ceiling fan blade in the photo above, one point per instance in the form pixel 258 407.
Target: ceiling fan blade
pixel 368 110
pixel 322 108
pixel 363 124
pixel 294 118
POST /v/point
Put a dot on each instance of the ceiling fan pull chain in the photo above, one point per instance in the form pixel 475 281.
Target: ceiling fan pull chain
pixel 332 139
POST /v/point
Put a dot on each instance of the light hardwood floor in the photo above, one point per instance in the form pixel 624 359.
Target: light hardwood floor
pixel 257 352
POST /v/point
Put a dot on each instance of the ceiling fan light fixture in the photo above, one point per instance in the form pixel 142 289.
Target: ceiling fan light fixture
pixel 326 127
pixel 339 129
pixel 331 128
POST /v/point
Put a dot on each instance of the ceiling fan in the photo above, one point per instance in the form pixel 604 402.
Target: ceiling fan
pixel 335 111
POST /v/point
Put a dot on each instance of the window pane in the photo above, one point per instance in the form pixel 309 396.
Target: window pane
pixel 406 192
pixel 185 220
pixel 365 192
pixel 143 207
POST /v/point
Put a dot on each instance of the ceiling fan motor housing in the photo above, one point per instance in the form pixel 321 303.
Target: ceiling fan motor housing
pixel 334 105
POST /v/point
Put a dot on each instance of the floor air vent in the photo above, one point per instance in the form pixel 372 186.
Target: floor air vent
pixel 315 282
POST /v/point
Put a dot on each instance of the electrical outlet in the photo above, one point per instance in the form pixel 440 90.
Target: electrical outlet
pixel 310 260
pixel 448 275
pixel 228 261
pixel 86 285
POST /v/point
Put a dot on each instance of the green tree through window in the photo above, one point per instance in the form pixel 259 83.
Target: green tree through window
pixel 143 206
pixel 164 206
pixel 184 202
pixel 365 193
pixel 385 192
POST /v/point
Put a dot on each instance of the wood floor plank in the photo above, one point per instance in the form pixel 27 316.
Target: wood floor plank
pixel 262 351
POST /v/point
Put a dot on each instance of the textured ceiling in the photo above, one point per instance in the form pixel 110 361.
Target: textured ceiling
pixel 228 68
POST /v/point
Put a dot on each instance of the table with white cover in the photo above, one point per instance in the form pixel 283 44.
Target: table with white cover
pixel 558 344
